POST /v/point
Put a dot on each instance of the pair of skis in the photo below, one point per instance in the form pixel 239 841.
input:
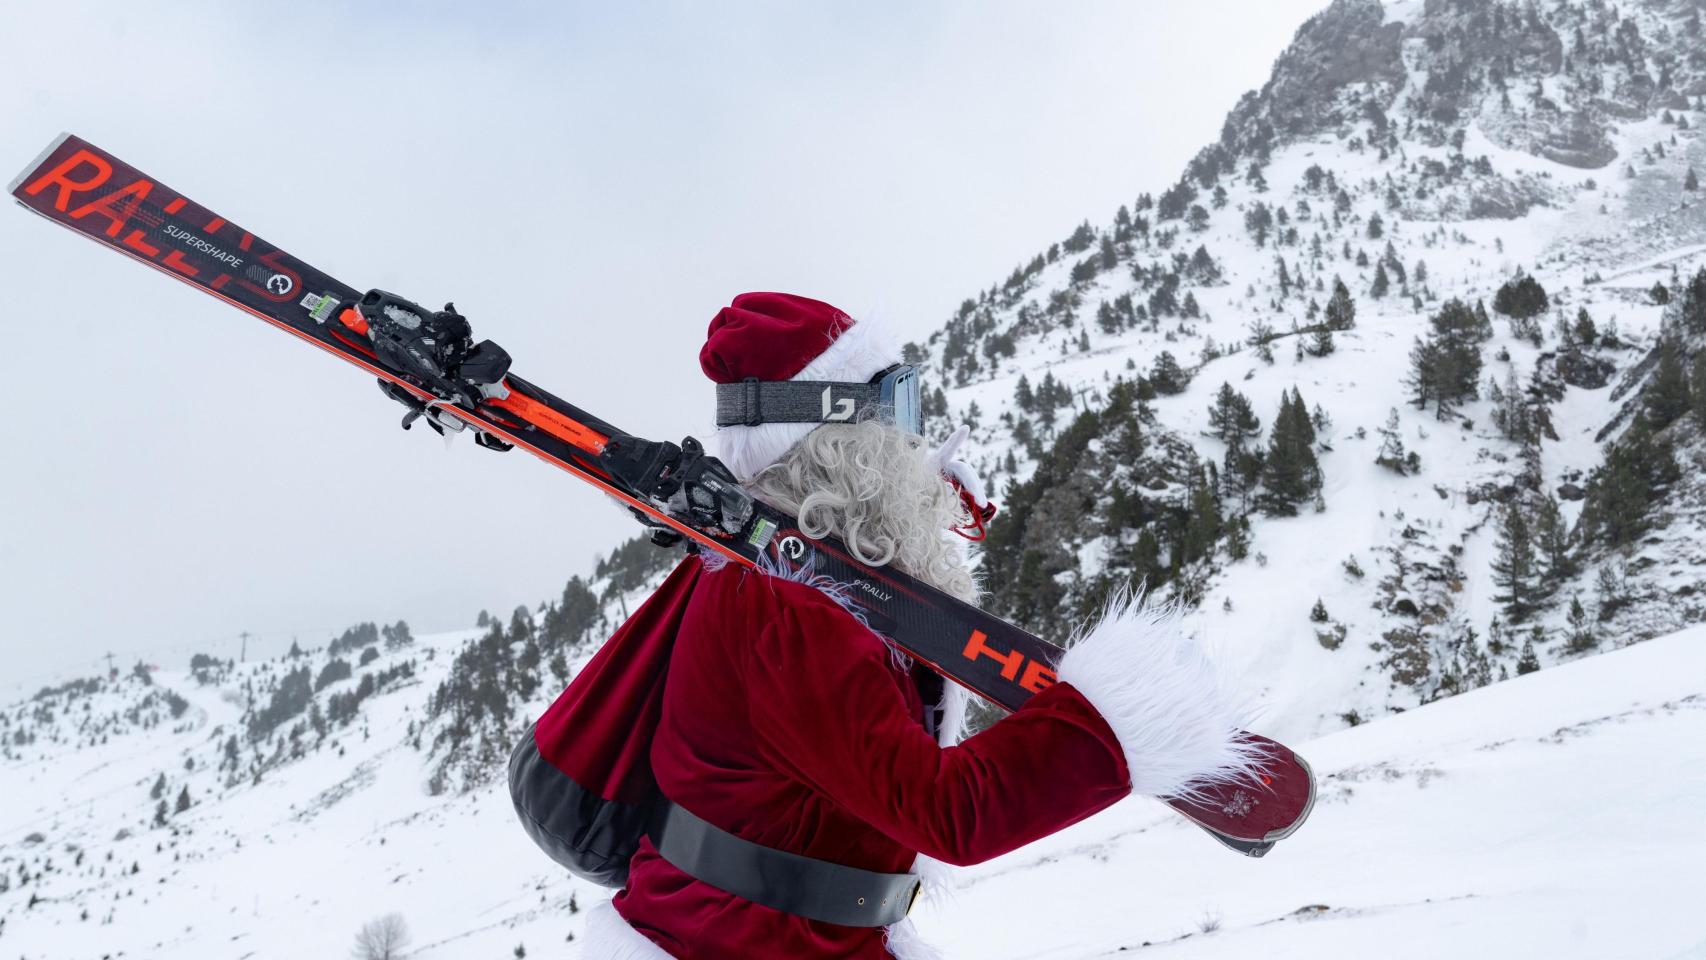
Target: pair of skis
pixel 427 359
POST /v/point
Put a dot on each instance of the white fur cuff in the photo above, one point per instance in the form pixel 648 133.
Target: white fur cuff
pixel 1167 702
pixel 608 937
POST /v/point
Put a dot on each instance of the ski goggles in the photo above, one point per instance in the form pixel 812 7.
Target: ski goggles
pixel 891 396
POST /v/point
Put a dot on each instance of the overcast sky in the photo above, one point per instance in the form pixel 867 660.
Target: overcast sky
pixel 589 183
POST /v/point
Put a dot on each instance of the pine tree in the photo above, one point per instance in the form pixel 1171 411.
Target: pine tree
pixel 1106 318
pixel 1231 418
pixel 183 800
pixel 1376 227
pixel 1203 525
pixel 1320 341
pixel 1581 631
pixel 1510 414
pixel 1586 332
pixel 1611 591
pixel 1459 371
pixel 1528 662
pixel 1166 375
pixel 1521 298
pixel 1476 669
pixel 1382 283
pixel 1393 264
pixel 1693 313
pixel 1529 456
pixel 160 813
pixel 1258 220
pixel 1237 540
pixel 1692 182
pixel 1667 398
pixel 1023 395
pixel 1483 321
pixel 1341 309
pixel 1552 543
pixel 1514 567
pixel 1290 475
pixel 1305 423
pixel 1446 367
pixel 1698 379
pixel 1202 265
pixel 159 789
pixel 1392 455
pixel 1240 472
pixel 1622 490
pixel 1456 322
pixel 1422 378
pixel 1318 613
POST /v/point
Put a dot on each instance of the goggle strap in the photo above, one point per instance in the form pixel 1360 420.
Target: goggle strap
pixel 752 402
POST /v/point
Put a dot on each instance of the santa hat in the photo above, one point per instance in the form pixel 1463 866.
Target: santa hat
pixel 779 336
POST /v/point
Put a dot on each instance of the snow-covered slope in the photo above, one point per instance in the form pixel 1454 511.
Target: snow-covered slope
pixel 1557 815
pixel 207 812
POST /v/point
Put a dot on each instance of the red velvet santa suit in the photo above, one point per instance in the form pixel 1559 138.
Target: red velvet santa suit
pixel 788 723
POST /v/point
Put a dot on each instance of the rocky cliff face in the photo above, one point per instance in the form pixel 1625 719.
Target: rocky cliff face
pixel 1579 67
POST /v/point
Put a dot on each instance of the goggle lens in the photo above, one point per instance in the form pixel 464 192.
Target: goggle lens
pixel 898 392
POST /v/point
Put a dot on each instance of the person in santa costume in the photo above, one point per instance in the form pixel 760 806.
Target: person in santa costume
pixel 815 756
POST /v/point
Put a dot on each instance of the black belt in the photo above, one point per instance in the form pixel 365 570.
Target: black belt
pixel 814 889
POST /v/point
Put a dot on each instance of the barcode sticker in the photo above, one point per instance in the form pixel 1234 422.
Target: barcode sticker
pixel 319 307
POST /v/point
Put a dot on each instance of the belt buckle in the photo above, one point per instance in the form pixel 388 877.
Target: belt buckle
pixel 917 888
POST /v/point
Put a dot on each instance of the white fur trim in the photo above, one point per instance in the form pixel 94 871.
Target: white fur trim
pixel 905 943
pixel 936 878
pixel 1171 707
pixel 609 937
pixel 956 469
pixel 955 703
pixel 858 354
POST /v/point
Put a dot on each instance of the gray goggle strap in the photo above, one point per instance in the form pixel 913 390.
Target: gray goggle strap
pixel 753 402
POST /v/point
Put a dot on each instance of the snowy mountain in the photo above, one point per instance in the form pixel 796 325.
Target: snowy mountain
pixel 272 808
pixel 1508 195
pixel 1399 390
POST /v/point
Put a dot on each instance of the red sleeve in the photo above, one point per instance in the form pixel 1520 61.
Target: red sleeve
pixel 830 711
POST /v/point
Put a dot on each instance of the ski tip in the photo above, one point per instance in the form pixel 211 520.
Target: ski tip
pixel 18 181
